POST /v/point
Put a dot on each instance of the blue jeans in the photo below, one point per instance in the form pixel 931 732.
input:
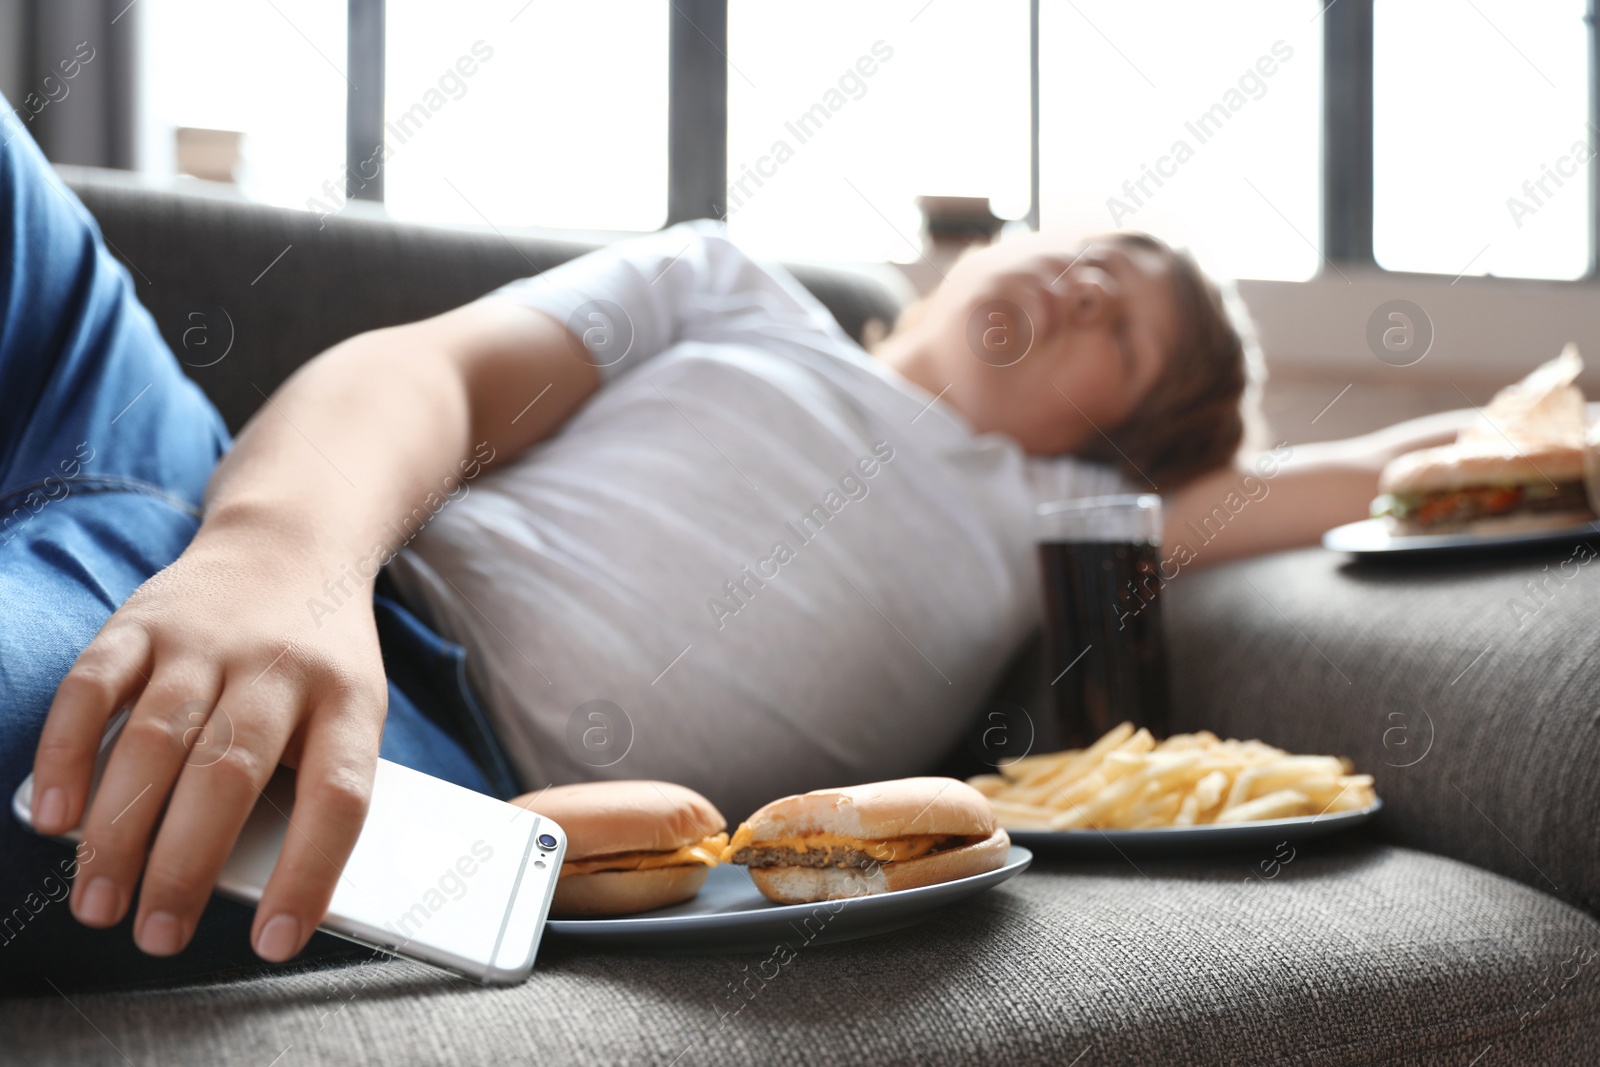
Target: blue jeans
pixel 105 450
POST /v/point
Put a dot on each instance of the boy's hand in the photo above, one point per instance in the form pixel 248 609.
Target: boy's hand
pixel 228 674
pixel 228 631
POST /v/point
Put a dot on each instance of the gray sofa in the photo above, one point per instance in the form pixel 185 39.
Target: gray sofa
pixel 1460 929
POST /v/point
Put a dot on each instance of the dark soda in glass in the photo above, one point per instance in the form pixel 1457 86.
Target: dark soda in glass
pixel 1107 652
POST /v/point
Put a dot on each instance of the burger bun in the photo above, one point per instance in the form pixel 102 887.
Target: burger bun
pixel 626 892
pixel 604 819
pixel 805 885
pixel 1451 467
pixel 877 810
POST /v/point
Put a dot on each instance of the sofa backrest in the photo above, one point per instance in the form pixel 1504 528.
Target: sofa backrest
pixel 244 292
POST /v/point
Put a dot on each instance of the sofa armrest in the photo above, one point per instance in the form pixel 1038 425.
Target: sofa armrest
pixel 1468 687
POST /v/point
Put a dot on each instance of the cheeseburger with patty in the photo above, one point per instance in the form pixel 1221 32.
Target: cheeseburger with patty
pixel 631 845
pixel 866 839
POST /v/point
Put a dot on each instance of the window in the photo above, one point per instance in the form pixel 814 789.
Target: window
pixel 1200 123
pixel 1481 137
pixel 840 114
pixel 519 114
pixel 273 72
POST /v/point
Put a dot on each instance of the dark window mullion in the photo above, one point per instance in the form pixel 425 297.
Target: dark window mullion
pixel 1592 17
pixel 697 110
pixel 363 131
pixel 1033 114
pixel 1347 133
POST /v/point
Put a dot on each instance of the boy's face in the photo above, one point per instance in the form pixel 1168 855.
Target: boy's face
pixel 1050 344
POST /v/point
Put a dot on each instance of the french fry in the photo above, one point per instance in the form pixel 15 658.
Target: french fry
pixel 1160 814
pixel 1203 740
pixel 1129 780
pixel 1074 760
pixel 1113 765
pixel 990 785
pixel 1279 805
pixel 1285 772
pixel 1022 816
pixel 1355 791
pixel 1028 768
pixel 1099 812
pixel 1208 791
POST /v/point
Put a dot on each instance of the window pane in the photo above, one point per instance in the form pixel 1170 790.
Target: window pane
pixel 562 120
pixel 1200 123
pixel 274 72
pixel 1480 131
pixel 841 114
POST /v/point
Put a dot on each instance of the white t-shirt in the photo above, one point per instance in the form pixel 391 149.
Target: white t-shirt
pixel 756 562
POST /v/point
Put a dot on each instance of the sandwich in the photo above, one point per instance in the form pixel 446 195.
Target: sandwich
pixel 631 845
pixel 867 839
pixel 1451 489
pixel 1525 465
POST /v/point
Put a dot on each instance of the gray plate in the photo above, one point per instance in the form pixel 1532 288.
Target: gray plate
pixel 1184 840
pixel 1371 537
pixel 730 913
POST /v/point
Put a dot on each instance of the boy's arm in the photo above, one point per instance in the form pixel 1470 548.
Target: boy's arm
pixel 304 509
pixel 1289 496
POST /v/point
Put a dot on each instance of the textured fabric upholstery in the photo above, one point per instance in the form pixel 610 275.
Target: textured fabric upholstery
pixel 1349 954
pixel 1353 953
pixel 1477 718
pixel 209 269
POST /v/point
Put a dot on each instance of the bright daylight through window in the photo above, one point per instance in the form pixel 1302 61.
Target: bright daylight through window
pixel 1481 137
pixel 1207 133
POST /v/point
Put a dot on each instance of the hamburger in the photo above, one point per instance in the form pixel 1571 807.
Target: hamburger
pixel 1527 464
pixel 631 845
pixel 867 839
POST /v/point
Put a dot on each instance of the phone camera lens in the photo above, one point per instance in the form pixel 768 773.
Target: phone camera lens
pixel 546 841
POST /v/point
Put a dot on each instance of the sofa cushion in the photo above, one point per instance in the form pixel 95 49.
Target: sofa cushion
pixel 1332 953
pixel 274 286
pixel 1468 687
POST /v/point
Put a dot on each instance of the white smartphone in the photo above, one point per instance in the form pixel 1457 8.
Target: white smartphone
pixel 440 874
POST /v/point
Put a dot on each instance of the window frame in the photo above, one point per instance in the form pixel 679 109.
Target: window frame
pixel 697 123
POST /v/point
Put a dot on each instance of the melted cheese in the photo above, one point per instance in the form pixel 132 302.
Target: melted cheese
pixel 887 850
pixel 708 852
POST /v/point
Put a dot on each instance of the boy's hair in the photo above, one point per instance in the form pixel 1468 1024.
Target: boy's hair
pixel 1203 407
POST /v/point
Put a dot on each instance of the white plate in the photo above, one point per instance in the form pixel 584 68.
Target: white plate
pixel 1184 840
pixel 1372 537
pixel 730 914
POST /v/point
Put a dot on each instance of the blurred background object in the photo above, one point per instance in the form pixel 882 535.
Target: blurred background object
pixel 950 226
pixel 1334 158
pixel 211 154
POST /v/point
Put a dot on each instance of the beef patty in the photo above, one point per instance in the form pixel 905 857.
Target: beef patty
pixel 832 856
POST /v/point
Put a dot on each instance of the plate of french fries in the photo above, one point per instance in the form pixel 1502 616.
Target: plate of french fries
pixel 1129 788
